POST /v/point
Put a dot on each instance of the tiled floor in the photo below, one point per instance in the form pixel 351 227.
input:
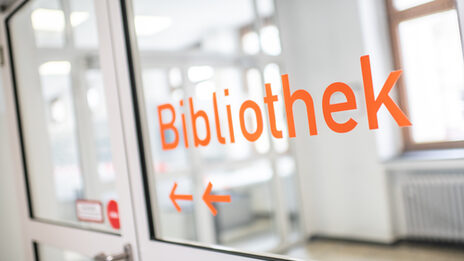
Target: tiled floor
pixel 333 250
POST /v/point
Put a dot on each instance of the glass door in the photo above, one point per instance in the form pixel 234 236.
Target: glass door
pixel 208 191
pixel 71 152
pixel 94 89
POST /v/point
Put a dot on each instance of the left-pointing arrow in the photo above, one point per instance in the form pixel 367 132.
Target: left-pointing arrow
pixel 209 198
pixel 175 197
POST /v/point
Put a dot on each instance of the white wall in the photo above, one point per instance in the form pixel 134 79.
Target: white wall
pixel 342 177
pixel 11 243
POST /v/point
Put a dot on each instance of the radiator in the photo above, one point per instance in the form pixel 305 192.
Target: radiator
pixel 433 205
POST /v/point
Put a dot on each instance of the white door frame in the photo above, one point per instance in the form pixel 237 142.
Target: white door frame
pixel 68 237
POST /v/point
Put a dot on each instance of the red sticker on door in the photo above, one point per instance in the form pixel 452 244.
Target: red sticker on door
pixel 113 214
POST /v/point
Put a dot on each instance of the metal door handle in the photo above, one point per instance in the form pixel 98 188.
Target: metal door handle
pixel 125 256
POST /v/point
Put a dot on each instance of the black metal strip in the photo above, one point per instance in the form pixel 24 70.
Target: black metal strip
pixel 17 106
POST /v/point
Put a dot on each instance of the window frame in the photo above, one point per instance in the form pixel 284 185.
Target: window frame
pixel 395 17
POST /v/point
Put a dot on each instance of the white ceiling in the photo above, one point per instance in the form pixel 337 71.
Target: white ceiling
pixel 192 20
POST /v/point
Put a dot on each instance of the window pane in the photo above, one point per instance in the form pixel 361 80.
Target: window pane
pixel 270 40
pixel 250 43
pixel 64 119
pixel 434 76
pixel 405 4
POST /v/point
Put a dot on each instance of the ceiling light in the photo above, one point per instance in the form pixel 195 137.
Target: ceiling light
pixel 48 20
pixel 78 18
pixel 200 73
pixel 55 68
pixel 150 25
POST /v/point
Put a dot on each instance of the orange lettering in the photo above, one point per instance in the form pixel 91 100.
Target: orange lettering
pixel 269 100
pixel 290 99
pixel 168 126
pixel 194 116
pixel 229 119
pixel 184 127
pixel 329 108
pixel 259 120
pixel 372 104
pixel 216 118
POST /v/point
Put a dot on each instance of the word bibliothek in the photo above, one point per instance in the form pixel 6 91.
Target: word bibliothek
pixel 373 105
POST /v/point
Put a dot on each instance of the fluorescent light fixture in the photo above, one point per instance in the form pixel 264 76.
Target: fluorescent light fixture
pixel 55 68
pixel 93 98
pixel 150 25
pixel 47 20
pixel 200 73
pixel 78 18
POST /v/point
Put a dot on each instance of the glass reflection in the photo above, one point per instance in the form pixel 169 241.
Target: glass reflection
pixel 63 110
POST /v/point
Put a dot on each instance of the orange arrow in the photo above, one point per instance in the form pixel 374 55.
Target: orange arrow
pixel 175 197
pixel 208 198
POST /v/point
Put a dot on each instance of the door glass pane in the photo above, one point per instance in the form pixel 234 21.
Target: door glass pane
pixel 198 66
pixel 51 253
pixel 63 113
